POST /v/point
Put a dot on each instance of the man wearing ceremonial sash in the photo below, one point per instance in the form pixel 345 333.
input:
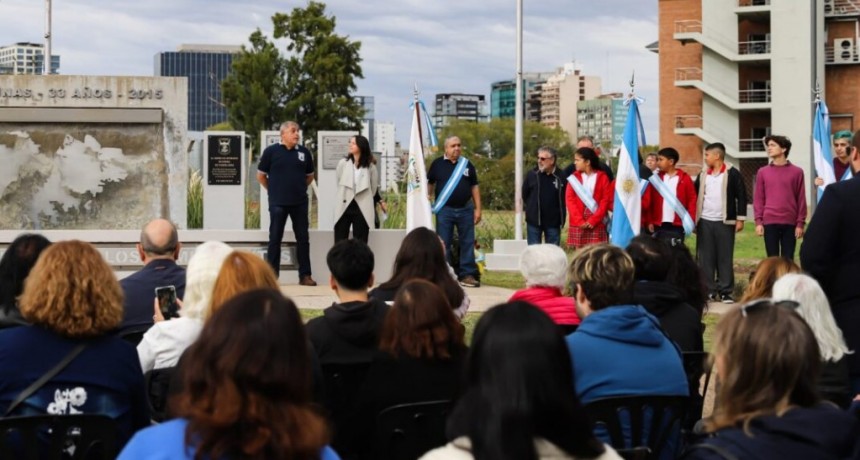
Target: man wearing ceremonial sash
pixel 458 204
pixel 671 201
pixel 589 195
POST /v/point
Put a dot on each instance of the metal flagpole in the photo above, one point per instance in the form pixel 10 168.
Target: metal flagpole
pixel 47 57
pixel 518 131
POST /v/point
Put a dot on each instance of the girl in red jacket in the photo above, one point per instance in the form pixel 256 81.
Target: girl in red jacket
pixel 588 197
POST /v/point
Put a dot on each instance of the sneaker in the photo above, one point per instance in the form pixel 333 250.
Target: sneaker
pixel 727 298
pixel 307 281
pixel 470 281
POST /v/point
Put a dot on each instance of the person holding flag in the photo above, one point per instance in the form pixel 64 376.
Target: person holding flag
pixel 457 204
pixel 588 199
pixel 671 213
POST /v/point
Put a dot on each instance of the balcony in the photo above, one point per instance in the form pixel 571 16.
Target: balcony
pixel 841 8
pixel 751 145
pixel 691 30
pixel 693 125
pixel 754 47
pixel 753 9
pixel 749 99
pixel 746 96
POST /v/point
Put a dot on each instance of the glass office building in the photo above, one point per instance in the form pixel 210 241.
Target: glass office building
pixel 205 66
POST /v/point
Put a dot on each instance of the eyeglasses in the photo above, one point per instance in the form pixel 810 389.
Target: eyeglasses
pixel 544 158
pixel 758 304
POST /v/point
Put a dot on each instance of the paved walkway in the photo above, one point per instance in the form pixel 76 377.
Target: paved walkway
pixel 319 297
pixel 484 297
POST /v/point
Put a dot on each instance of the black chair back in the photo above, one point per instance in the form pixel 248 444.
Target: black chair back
pixel 650 420
pixel 158 392
pixel 408 431
pixel 342 384
pixel 56 437
pixel 134 335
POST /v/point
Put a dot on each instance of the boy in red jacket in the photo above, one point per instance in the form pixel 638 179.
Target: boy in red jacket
pixel 671 202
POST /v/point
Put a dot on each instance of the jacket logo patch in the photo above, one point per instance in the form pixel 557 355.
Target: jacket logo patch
pixel 301 156
pixel 466 172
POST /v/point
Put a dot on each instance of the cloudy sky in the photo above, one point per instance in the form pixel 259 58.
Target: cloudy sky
pixel 442 45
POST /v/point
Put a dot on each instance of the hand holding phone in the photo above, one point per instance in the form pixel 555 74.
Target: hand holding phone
pixel 166 297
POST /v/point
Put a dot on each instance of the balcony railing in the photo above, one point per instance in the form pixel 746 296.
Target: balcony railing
pixel 688 121
pixel 754 47
pixel 743 3
pixel 838 8
pixel 754 95
pixel 750 145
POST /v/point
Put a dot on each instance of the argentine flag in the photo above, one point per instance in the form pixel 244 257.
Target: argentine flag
pixel 627 214
pixel 821 154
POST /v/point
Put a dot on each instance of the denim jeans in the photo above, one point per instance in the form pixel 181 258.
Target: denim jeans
pixel 464 219
pixel 551 235
pixel 277 220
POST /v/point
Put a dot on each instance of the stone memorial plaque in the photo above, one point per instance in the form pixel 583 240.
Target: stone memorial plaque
pixel 333 148
pixel 225 160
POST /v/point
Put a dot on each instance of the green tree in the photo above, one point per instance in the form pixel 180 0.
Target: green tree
pixel 254 90
pixel 320 72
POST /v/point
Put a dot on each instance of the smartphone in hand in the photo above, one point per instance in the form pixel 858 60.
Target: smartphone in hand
pixel 166 296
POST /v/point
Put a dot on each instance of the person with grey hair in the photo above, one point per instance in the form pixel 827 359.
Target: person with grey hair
pixel 286 170
pixel 588 141
pixel 544 266
pixel 158 249
pixel 457 204
pixel 543 199
pixel 833 382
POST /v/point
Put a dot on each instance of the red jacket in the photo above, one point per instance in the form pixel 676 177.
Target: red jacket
pixel 603 195
pixel 686 193
pixel 561 309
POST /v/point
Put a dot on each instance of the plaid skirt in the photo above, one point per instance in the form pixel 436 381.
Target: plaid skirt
pixel 579 237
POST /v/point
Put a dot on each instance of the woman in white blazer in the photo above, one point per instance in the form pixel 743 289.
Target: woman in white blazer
pixel 357 183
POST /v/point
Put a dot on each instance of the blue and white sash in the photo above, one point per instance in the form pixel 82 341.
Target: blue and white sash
pixel 582 192
pixel 848 174
pixel 452 183
pixel 643 185
pixel 676 205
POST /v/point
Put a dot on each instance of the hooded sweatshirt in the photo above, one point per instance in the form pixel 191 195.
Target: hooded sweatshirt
pixel 822 432
pixel 347 333
pixel 621 351
pixel 666 301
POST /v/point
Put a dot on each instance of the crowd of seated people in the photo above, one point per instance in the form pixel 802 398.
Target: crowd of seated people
pixel 252 381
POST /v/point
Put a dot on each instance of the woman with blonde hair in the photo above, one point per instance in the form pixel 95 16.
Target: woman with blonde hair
pixel 74 303
pixel 768 361
pixel 815 310
pixel 166 340
pixel 765 274
pixel 241 271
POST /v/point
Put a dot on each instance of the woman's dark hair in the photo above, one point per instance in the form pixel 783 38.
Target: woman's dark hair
pixel 421 255
pixel 588 154
pixel 15 266
pixel 651 258
pixel 519 386
pixel 247 383
pixel 421 324
pixel 364 147
pixel 685 273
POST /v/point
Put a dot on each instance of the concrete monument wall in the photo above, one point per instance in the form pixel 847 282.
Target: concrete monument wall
pixel 92 152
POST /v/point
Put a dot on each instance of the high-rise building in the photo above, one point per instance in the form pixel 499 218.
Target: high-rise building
pixel 559 95
pixel 26 58
pixel 390 171
pixel 602 118
pixel 733 71
pixel 459 106
pixel 368 129
pixel 205 66
pixel 503 95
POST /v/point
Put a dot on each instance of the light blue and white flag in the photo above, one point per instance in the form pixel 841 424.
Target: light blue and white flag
pixel 627 209
pixel 822 156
